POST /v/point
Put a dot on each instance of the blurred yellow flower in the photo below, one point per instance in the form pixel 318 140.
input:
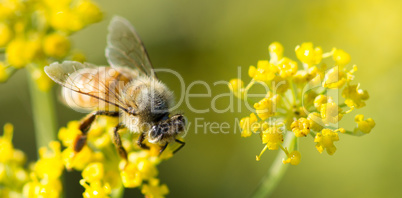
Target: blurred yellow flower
pixel 5 34
pixel 154 190
pixel 56 45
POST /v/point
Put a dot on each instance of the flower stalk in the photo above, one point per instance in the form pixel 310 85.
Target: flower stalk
pixel 276 172
pixel 43 114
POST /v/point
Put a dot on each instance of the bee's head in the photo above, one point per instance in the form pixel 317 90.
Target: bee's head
pixel 167 128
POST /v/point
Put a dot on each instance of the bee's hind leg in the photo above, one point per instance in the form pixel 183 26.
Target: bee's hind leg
pixel 118 143
pixel 181 145
pixel 85 125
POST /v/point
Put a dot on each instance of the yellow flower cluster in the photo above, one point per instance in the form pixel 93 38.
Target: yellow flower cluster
pixel 103 170
pixel 42 179
pixel 300 100
pixel 13 176
pixel 35 32
pixel 46 173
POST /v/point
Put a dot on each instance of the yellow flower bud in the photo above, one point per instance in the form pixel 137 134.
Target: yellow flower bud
pixel 331 113
pixel 246 124
pixel 265 71
pixel 301 127
pixel 272 137
pixel 236 86
pixel 325 140
pixel 364 126
pixel 5 34
pixel 252 71
pixel 334 78
pixel 88 11
pixel 275 50
pixel 287 67
pixel 341 57
pixel 153 189
pixel 93 172
pixel 266 107
pixel 320 100
pixel 355 97
pixel 293 158
pixel 309 55
pixel 56 45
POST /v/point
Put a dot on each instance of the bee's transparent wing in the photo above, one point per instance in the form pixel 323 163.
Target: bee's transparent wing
pixel 86 81
pixel 124 47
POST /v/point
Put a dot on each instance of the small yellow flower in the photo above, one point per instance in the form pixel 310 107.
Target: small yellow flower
pixel 88 11
pixel 65 20
pixel 319 101
pixel 5 34
pixel 236 86
pixel 364 126
pixel 93 172
pixel 264 72
pixel 287 67
pixel 335 78
pixel 341 57
pixel 50 164
pixel 293 158
pixel 77 161
pixel 275 50
pixel 355 97
pixel 6 146
pixel 325 140
pixel 331 113
pixel 95 189
pixel 266 107
pixel 15 53
pixel 309 55
pixel 56 45
pixel 154 190
pixel 67 135
pixel 272 137
pixel 301 127
pixel 246 124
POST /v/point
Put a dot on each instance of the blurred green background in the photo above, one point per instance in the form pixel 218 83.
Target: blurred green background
pixel 207 40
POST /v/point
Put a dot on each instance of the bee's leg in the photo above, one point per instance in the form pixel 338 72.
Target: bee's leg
pixel 117 142
pixel 85 125
pixel 162 149
pixel 140 141
pixel 181 146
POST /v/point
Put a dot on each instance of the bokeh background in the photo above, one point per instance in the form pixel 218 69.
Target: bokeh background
pixel 207 40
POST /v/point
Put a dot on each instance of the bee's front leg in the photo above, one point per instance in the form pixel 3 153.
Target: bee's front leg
pixel 85 125
pixel 140 141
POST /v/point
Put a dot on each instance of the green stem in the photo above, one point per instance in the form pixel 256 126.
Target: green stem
pixel 43 114
pixel 275 173
pixel 118 193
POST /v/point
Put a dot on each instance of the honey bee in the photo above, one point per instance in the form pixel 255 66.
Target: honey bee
pixel 129 89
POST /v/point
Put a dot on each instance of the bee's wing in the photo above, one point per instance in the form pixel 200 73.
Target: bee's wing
pixel 124 47
pixel 89 83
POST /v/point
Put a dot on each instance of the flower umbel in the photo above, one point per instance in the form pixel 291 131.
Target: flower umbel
pixel 302 100
pixel 35 33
